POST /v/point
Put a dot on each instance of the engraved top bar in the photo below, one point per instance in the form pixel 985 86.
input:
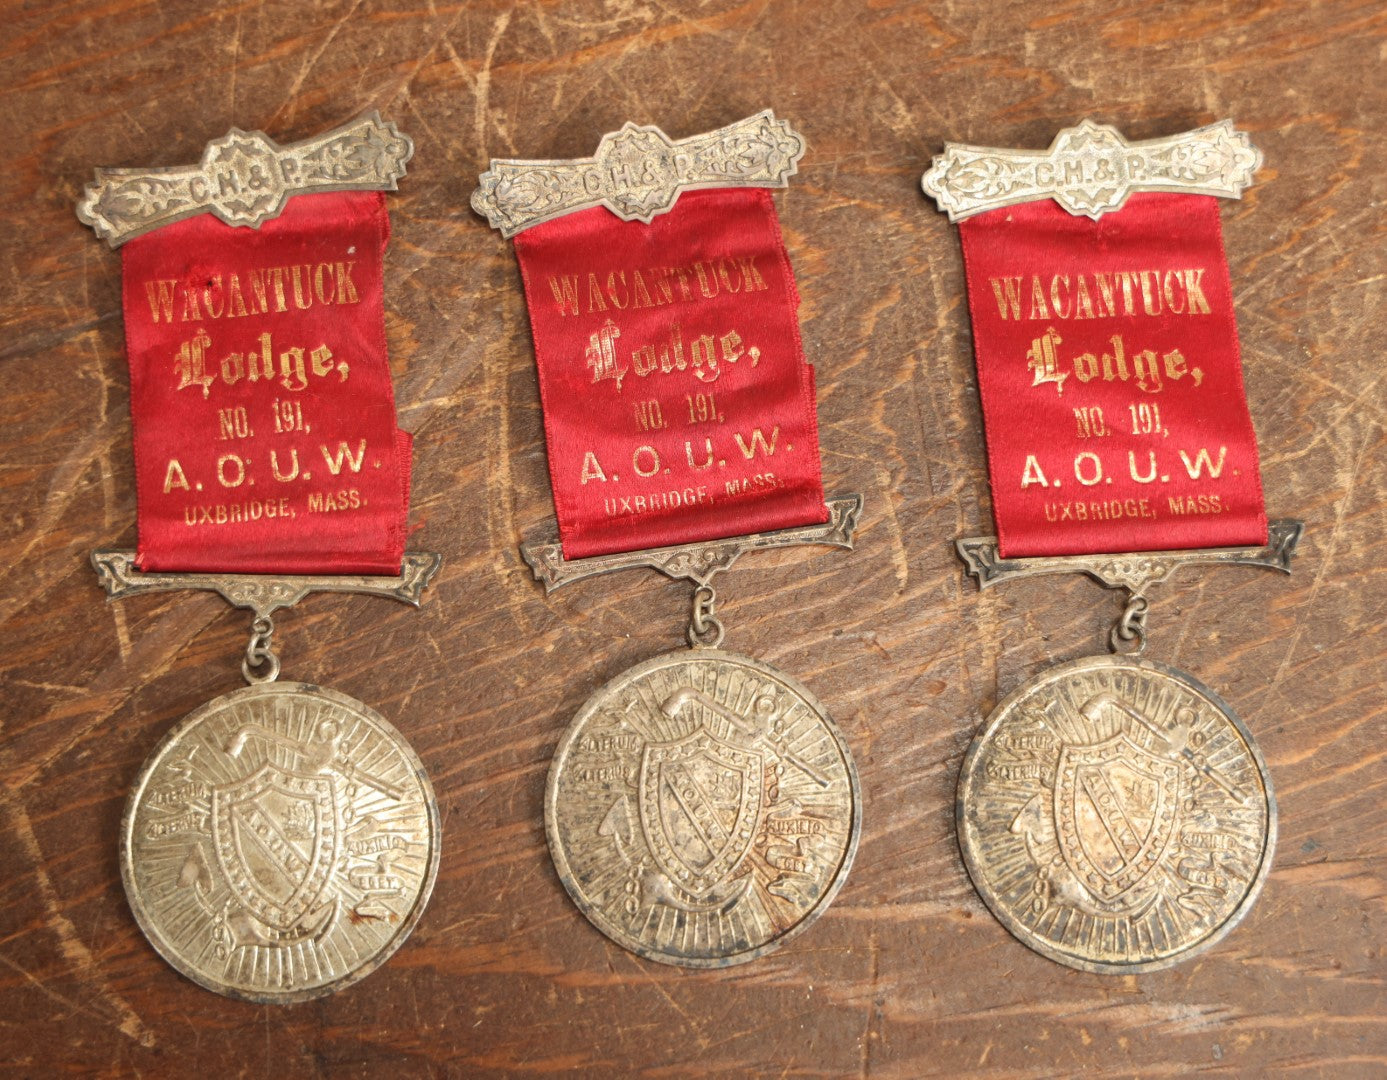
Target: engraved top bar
pixel 245 178
pixel 1091 169
pixel 639 172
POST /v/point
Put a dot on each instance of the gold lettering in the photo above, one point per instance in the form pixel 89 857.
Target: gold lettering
pixel 1118 358
pixel 292 375
pixel 1203 461
pixel 688 453
pixel 233 368
pixel 592 469
pixel 1108 304
pixel 1033 473
pixel 220 308
pixel 1150 298
pixel 232 459
pixel 1065 311
pixel 651 456
pixel 703 359
pixel 1176 369
pixel 1041 359
pixel 595 301
pixel 565 290
pixel 621 301
pixel 752 281
pixel 190 363
pixel 706 279
pixel 1195 291
pixel 346 288
pixel 1148 374
pixel 1008 294
pixel 1083 304
pixel 259 290
pixel 321 359
pixel 1128 301
pixel 266 370
pixel 664 292
pixel 729 281
pixel 300 292
pixel 237 302
pixel 322 288
pixel 174 478
pixel 1097 475
pixel 274 465
pixel 1132 467
pixel 1173 277
pixel 344 453
pixel 277 280
pixel 600 355
pixel 160 295
pixel 758 442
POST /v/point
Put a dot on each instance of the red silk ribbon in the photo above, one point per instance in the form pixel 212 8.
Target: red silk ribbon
pixel 1111 383
pixel 265 437
pixel 678 405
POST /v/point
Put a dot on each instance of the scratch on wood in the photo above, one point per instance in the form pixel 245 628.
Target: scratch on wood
pixel 71 946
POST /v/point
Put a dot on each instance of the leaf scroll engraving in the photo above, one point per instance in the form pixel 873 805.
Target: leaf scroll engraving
pixel 245 178
pixel 638 172
pixel 1091 169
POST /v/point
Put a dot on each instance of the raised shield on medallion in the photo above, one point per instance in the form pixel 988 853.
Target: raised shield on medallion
pixel 277 837
pixel 700 801
pixel 1116 811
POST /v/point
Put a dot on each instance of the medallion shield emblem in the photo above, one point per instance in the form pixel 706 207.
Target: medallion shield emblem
pixel 277 837
pixel 1116 812
pixel 700 801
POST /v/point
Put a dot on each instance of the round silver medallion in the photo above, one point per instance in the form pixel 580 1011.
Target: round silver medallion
pixel 702 808
pixel 280 843
pixel 1115 815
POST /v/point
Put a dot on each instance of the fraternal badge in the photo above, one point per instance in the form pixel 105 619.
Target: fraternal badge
pixel 1113 813
pixel 280 843
pixel 702 807
pixel 245 179
pixel 269 466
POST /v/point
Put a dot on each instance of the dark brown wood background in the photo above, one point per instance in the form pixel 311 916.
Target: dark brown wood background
pixel 907 975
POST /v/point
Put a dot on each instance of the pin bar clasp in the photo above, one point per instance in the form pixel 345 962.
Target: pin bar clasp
pixel 265 593
pixel 1135 571
pixel 694 562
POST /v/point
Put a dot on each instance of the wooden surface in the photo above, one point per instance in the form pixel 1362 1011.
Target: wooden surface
pixel 907 975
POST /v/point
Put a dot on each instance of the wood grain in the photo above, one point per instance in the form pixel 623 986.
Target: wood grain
pixel 906 975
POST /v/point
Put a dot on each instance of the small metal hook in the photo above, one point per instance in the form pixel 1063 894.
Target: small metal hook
pixel 705 628
pixel 1131 627
pixel 260 652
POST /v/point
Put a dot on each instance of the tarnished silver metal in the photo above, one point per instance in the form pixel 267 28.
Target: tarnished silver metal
pixel 1091 169
pixel 705 628
pixel 280 843
pixel 1130 628
pixel 639 172
pixel 265 593
pixel 260 665
pixel 694 562
pixel 1115 815
pixel 702 809
pixel 245 178
pixel 1136 571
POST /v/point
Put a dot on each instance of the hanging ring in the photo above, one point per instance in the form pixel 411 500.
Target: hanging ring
pixel 705 628
pixel 260 664
pixel 1131 628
